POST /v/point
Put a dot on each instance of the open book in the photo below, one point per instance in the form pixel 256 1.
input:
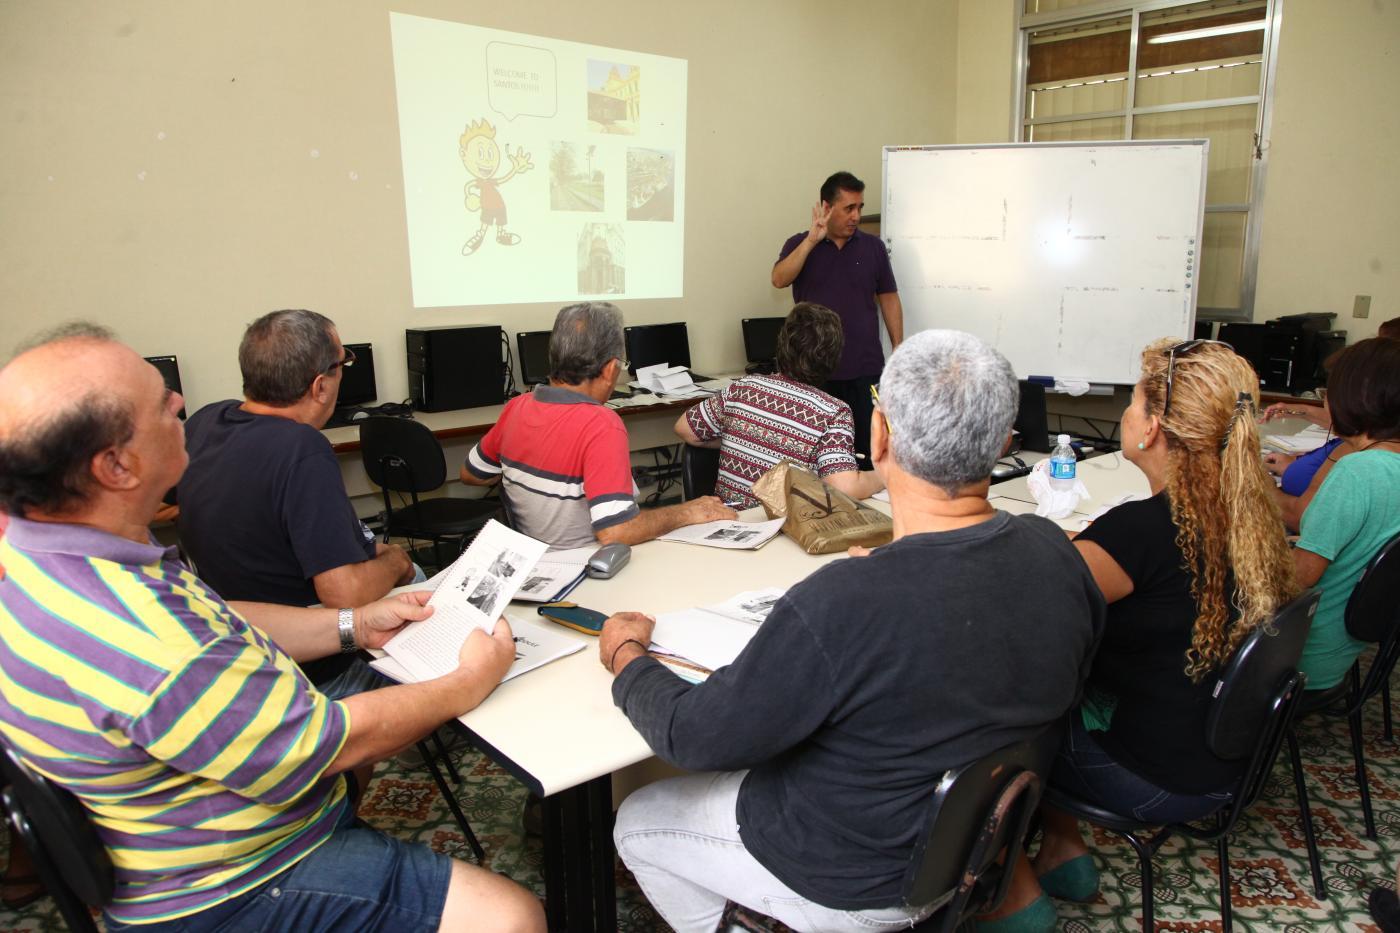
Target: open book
pixel 713 636
pixel 555 575
pixel 472 593
pixel 535 646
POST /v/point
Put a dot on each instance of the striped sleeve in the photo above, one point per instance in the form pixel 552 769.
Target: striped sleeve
pixel 707 418
pixel 836 451
pixel 607 478
pixel 230 715
pixel 484 460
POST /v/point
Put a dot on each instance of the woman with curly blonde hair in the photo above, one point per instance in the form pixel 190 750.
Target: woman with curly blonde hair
pixel 1187 573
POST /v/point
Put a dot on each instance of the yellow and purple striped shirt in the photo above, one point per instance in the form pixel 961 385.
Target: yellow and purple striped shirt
pixel 197 746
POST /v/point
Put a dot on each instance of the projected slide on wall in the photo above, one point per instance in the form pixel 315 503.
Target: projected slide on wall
pixel 537 169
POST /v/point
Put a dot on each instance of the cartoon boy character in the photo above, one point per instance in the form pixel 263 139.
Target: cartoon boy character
pixel 482 157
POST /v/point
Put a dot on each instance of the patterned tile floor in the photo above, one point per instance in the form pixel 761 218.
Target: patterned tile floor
pixel 1272 890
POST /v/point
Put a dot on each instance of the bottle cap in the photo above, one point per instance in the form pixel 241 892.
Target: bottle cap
pixel 1062 440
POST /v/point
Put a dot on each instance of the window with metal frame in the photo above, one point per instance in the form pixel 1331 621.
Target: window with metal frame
pixel 1164 69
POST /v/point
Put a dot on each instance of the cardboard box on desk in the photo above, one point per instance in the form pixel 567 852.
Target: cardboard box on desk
pixel 820 519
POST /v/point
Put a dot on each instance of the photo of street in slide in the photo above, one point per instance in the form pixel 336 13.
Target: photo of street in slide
pixel 576 177
pixel 651 185
pixel 614 97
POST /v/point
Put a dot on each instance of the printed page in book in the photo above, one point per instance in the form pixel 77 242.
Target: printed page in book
pixel 727 534
pixel 473 593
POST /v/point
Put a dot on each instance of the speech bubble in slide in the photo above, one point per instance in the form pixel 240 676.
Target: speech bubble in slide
pixel 520 79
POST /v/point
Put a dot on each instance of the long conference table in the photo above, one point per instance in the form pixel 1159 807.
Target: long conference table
pixel 556 728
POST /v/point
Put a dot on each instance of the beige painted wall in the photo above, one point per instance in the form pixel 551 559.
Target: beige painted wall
pixel 158 175
pixel 1331 214
pixel 1332 194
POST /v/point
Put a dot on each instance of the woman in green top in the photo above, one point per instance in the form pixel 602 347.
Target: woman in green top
pixel 1357 509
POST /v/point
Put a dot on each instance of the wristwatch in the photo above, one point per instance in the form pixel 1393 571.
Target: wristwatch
pixel 347 630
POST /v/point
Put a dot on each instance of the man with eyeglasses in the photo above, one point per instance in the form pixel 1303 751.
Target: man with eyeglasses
pixel 263 510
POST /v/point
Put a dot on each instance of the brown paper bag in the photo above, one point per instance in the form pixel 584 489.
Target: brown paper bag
pixel 820 519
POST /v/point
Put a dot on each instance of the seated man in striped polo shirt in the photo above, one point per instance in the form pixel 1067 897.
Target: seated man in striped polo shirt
pixel 760 420
pixel 217 777
pixel 561 455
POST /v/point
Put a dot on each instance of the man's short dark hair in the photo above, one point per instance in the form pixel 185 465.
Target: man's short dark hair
pixel 48 465
pixel 1389 329
pixel 841 181
pixel 810 343
pixel 282 353
pixel 1363 393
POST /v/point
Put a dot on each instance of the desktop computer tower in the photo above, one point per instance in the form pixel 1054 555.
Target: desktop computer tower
pixel 455 367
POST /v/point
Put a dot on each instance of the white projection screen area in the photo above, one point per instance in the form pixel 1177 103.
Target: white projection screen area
pixel 537 169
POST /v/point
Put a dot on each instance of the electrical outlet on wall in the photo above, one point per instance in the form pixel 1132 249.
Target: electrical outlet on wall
pixel 1361 307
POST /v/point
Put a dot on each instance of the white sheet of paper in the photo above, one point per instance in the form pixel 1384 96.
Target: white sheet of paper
pixel 751 607
pixel 474 592
pixel 535 646
pixel 727 534
pixel 1305 441
pixel 709 640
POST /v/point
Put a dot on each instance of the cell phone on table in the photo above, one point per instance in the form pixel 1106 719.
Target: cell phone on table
pixel 574 616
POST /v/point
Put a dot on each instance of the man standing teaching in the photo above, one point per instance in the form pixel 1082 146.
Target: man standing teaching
pixel 836 265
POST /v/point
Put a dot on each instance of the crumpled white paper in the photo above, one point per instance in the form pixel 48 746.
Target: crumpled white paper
pixel 1072 387
pixel 1050 502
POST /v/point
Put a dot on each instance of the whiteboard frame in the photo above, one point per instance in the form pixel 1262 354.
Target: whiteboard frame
pixel 1204 144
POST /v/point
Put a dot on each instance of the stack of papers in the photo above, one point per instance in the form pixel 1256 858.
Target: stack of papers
pixel 713 636
pixel 744 536
pixel 670 381
pixel 1306 440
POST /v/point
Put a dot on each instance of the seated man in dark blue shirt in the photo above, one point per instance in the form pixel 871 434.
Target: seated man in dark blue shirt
pixel 826 737
pixel 263 510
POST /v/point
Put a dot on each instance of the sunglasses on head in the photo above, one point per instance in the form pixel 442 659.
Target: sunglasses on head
pixel 1181 349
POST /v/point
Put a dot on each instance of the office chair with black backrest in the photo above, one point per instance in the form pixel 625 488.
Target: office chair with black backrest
pixel 402 455
pixel 1254 702
pixel 1372 615
pixel 69 857
pixel 977 829
pixel 699 471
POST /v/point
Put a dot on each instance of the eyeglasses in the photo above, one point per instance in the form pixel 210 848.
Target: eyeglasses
pixel 347 361
pixel 1181 349
pixel 875 397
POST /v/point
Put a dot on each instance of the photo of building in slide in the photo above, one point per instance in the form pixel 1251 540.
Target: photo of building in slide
pixel 576 177
pixel 602 260
pixel 614 97
pixel 651 185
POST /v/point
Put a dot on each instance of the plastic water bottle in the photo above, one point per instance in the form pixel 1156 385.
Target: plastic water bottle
pixel 1062 464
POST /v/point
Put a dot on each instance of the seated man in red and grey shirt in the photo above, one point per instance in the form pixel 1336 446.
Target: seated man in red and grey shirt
pixel 760 420
pixel 562 456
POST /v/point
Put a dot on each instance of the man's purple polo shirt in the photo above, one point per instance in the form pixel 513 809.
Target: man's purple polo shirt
pixel 846 280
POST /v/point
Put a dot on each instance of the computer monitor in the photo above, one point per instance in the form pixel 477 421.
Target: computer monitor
pixel 169 369
pixel 357 382
pixel 761 338
pixel 649 344
pixel 1032 422
pixel 534 357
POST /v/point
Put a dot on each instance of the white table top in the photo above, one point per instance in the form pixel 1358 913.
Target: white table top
pixel 1108 478
pixel 558 723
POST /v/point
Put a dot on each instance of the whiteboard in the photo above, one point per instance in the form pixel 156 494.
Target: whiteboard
pixel 1067 257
